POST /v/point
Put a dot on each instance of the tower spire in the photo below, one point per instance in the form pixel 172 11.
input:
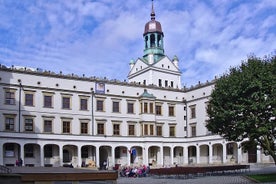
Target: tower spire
pixel 152 11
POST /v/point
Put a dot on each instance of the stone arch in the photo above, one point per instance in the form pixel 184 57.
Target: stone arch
pixel 217 153
pixel 192 154
pixel 31 155
pixel 51 155
pixel 154 156
pixel 105 154
pixel 178 155
pixel 204 153
pixel 136 155
pixel 11 153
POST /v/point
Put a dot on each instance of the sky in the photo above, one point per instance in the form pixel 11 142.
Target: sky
pixel 100 37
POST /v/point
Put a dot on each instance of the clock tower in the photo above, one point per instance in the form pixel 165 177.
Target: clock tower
pixel 153 38
pixel 155 68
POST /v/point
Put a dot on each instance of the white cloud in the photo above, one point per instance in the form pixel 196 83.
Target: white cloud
pixel 100 37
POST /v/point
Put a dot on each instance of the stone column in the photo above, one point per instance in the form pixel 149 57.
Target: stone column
pixel 61 155
pixel 171 150
pixel 42 155
pixel 112 156
pixel 128 155
pixel 145 156
pixel 239 156
pixel 97 156
pixel 1 153
pixel 185 155
pixel 79 156
pixel 161 156
pixel 210 154
pixel 22 154
pixel 224 160
pixel 197 154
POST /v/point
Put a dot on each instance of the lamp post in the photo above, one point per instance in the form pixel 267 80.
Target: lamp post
pixel 186 111
pixel 19 107
pixel 92 110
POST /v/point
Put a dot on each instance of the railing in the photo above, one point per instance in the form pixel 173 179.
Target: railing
pixel 4 169
pixel 197 170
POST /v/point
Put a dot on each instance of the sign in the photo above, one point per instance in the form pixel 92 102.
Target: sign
pixel 100 87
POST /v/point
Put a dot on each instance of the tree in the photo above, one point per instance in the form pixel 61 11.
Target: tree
pixel 242 105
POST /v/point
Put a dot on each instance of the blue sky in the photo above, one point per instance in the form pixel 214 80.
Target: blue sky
pixel 99 38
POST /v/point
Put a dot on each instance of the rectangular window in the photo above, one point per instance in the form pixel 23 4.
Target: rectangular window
pixel 172 131
pixel 151 108
pixel 166 83
pixel 48 101
pixel 145 107
pixel 84 128
pixel 48 151
pixel 9 123
pixel 9 97
pixel 29 99
pixel 130 108
pixel 193 131
pixel 116 107
pixel 193 111
pixel 48 126
pixel 159 130
pixel 83 104
pixel 171 110
pixel 100 128
pixel 146 129
pixel 100 105
pixel 172 84
pixel 66 102
pixel 160 82
pixel 158 110
pixel 66 127
pixel 151 130
pixel 116 129
pixel 131 129
pixel 29 150
pixel 29 124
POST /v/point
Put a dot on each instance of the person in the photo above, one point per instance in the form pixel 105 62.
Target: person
pixel 104 165
pixel 20 162
pixel 17 163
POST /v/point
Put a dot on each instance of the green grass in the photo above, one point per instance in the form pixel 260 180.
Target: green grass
pixel 263 177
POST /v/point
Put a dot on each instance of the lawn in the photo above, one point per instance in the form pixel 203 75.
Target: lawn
pixel 263 177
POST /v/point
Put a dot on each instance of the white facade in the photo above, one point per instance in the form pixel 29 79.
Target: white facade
pixel 177 141
pixel 50 119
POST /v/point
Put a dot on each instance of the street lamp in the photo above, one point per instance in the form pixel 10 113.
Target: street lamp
pixel 19 106
pixel 92 110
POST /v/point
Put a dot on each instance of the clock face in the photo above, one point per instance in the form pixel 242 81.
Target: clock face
pixel 152 26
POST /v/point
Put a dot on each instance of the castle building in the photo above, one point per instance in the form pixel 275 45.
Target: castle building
pixel 50 119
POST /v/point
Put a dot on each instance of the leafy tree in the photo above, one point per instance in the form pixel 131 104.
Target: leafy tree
pixel 242 105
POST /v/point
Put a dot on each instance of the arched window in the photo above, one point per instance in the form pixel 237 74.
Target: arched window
pixel 152 40
pixel 159 40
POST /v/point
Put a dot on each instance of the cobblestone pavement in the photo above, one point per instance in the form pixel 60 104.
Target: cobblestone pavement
pixel 222 179
pixel 204 180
